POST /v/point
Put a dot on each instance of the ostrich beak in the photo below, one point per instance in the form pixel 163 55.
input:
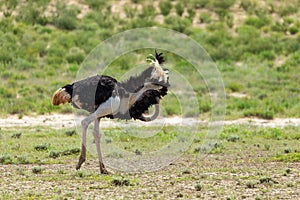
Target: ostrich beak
pixel 60 97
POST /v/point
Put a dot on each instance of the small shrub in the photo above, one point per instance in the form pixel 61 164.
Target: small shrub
pixel 288 157
pixel 5 159
pixel 22 64
pixel 233 138
pixel 179 195
pixel 54 154
pixel 287 150
pixel 192 13
pixel 288 9
pixel 23 160
pixel 66 18
pixel 165 7
pixel 249 5
pixel 251 184
pixel 80 174
pixel 37 170
pixel 222 7
pixel 256 22
pixel 70 133
pixel 268 114
pixel 234 87
pixel 120 182
pixel 266 179
pixel 16 135
pixel 31 14
pixel 138 152
pixel 293 30
pixel 198 187
pixel 199 3
pixel 71 151
pixel 186 171
pixel 179 9
pixel 42 147
pixel 177 23
pixel 267 147
pixel 148 11
pixel 229 20
pixel 97 4
pixel 267 55
pixel 205 17
pixel 290 185
pixel 288 171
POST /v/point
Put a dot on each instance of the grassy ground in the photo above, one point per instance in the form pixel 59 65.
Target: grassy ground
pixel 247 162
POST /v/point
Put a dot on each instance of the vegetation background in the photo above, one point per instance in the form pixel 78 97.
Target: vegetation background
pixel 256 45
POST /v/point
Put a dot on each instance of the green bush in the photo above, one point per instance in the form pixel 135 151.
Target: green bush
pixel 42 147
pixel 199 3
pixel 179 9
pixel 267 55
pixel 96 4
pixel 23 160
pixel 30 13
pixel 148 11
pixel 70 151
pixel 221 7
pixel 234 87
pixel 22 64
pixel 246 34
pixel 256 22
pixel 249 5
pixel 5 159
pixel 66 18
pixel 165 7
pixel 293 30
pixel 192 13
pixel 130 12
pixel 264 114
pixel 229 20
pixel 37 170
pixel 54 154
pixel 205 17
pixel 288 9
pixel 177 23
pixel 75 55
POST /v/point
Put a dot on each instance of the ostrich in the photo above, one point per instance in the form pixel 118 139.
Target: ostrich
pixel 103 96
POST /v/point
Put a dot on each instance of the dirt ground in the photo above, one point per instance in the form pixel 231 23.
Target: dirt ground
pixel 215 177
pixel 70 120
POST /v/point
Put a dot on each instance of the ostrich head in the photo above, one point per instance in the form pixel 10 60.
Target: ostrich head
pixel 159 74
pixel 153 74
pixel 62 95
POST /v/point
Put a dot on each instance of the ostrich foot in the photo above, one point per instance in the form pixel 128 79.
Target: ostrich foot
pixel 103 170
pixel 80 161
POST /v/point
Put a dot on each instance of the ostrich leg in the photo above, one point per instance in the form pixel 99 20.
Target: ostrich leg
pixel 83 148
pixel 107 108
pixel 97 137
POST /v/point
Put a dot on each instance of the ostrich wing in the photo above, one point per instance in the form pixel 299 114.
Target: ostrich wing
pixel 89 93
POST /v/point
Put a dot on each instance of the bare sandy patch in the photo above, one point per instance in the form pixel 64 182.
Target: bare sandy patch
pixel 70 120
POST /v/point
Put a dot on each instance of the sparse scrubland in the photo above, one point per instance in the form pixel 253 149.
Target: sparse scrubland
pixel 256 46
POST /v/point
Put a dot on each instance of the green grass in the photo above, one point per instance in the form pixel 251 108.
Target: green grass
pixel 240 159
